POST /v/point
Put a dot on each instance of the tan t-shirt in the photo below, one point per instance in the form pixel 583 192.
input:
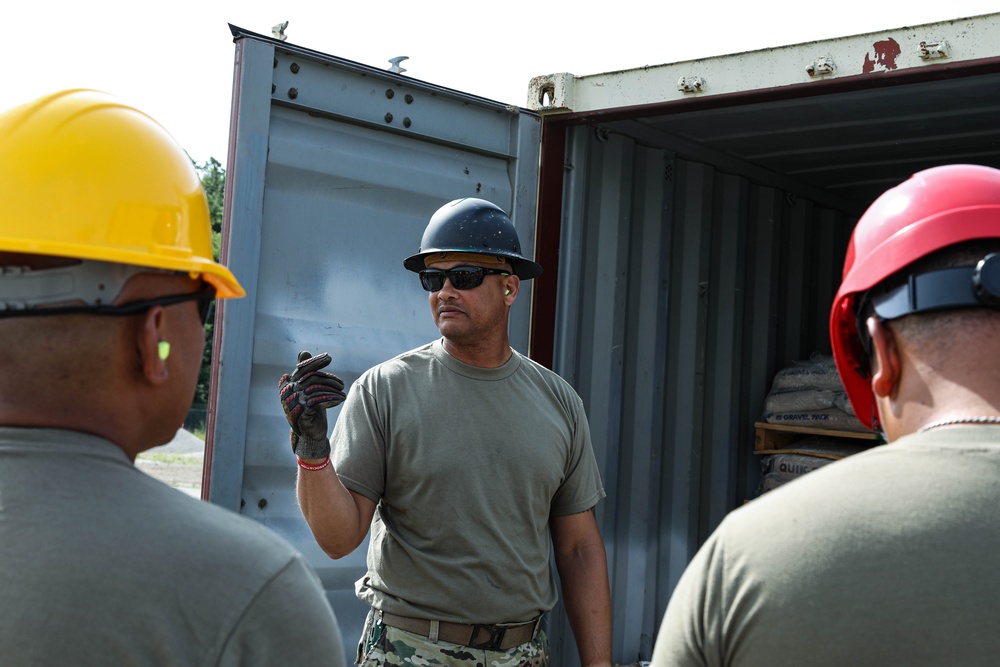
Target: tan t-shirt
pixel 888 557
pixel 467 464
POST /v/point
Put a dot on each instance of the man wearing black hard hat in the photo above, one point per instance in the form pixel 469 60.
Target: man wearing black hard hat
pixel 469 456
pixel 887 557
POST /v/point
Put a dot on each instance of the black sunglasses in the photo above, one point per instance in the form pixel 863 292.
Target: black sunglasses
pixel 205 298
pixel 461 277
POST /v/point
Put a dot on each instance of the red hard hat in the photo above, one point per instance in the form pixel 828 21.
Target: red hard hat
pixel 933 209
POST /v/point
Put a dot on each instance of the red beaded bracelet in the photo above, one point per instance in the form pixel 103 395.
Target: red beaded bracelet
pixel 306 466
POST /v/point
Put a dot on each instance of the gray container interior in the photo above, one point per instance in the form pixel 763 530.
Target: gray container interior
pixel 700 245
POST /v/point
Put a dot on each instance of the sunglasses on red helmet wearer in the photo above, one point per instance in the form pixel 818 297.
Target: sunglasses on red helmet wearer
pixel 461 277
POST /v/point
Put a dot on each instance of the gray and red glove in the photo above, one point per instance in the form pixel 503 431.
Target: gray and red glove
pixel 306 395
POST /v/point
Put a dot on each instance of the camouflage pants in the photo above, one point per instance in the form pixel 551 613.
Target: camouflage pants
pixel 383 645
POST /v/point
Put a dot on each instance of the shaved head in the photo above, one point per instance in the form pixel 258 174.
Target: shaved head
pixel 103 374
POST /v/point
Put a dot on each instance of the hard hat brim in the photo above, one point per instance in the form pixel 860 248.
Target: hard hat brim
pixel 525 269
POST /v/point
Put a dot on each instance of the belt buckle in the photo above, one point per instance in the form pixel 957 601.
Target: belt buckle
pixel 492 643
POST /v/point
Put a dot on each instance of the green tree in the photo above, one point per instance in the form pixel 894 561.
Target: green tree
pixel 213 180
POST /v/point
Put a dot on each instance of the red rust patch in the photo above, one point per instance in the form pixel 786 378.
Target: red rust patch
pixel 886 53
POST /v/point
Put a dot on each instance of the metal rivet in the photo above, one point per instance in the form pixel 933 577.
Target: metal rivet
pixel 293 93
pixel 295 68
pixel 389 93
pixel 262 503
pixel 409 98
pixel 388 118
pixel 273 88
pixel 407 122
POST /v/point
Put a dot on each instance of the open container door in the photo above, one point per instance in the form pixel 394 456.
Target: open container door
pixel 334 170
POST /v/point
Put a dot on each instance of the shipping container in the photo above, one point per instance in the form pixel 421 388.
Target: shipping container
pixel 691 219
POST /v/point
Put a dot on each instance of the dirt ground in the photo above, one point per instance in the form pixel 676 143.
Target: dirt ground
pixel 177 463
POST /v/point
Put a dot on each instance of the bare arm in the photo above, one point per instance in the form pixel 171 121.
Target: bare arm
pixel 583 569
pixel 339 518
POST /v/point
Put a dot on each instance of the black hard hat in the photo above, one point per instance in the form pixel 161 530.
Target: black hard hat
pixel 473 226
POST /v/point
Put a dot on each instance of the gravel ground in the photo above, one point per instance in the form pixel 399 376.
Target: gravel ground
pixel 177 463
pixel 185 442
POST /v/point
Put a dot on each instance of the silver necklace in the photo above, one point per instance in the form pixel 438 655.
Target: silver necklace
pixel 959 420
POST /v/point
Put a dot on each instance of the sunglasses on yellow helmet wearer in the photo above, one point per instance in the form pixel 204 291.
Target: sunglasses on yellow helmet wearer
pixel 205 298
pixel 85 287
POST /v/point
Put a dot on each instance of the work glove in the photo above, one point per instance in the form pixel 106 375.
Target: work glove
pixel 306 395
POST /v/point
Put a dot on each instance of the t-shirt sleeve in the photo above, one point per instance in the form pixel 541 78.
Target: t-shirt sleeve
pixel 358 444
pixel 690 634
pixel 289 622
pixel 581 489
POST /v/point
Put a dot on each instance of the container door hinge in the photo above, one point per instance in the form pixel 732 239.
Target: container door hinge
pixel 934 50
pixel 822 66
pixel 691 84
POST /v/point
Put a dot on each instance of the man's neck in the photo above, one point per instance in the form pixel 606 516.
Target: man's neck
pixel 926 394
pixel 123 433
pixel 491 355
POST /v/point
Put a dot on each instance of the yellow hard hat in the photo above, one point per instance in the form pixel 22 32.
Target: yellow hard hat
pixel 84 175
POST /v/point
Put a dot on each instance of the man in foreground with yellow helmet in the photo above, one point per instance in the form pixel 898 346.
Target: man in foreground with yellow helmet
pixel 889 556
pixel 106 276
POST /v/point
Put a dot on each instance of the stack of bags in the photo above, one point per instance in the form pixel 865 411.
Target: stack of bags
pixel 801 457
pixel 810 393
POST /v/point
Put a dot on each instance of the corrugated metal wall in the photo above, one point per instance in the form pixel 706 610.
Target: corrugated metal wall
pixel 682 291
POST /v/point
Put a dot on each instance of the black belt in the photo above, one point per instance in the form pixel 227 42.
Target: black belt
pixel 499 637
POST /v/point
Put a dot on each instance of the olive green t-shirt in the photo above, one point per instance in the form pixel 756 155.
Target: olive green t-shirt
pixel 888 557
pixel 100 564
pixel 466 465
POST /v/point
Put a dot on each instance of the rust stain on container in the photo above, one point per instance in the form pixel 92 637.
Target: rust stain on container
pixel 886 52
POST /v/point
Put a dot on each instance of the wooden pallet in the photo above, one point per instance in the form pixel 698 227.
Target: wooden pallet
pixel 777 438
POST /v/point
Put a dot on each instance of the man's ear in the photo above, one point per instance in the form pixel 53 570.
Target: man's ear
pixel 885 376
pixel 511 285
pixel 149 337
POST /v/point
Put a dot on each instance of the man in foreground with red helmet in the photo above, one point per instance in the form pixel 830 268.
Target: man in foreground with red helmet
pixel 886 557
pixel 106 278
pixel 469 456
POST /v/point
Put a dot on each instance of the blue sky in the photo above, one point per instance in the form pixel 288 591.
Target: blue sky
pixel 175 60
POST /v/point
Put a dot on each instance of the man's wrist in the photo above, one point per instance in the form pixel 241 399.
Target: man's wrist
pixel 313 465
pixel 309 449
